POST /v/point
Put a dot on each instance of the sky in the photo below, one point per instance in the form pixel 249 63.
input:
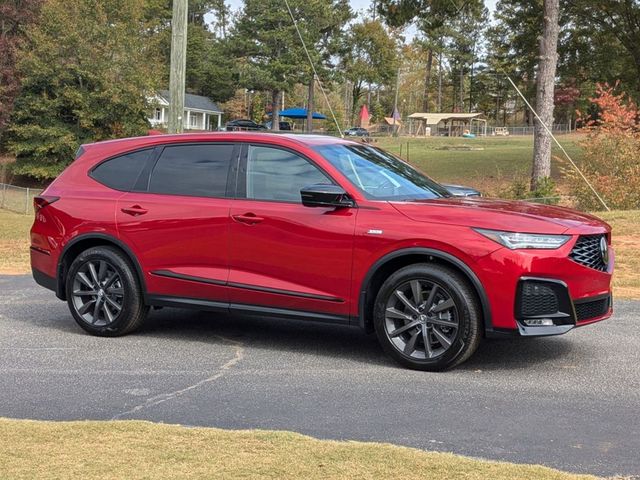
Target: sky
pixel 359 4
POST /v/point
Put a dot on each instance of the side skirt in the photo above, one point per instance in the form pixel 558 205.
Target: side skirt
pixel 242 309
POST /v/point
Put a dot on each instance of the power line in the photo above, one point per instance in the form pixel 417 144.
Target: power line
pixel 558 143
pixel 315 73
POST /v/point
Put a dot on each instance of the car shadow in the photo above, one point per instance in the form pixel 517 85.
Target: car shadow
pixel 319 339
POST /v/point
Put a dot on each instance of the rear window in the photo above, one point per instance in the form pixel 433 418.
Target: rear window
pixel 194 170
pixel 121 172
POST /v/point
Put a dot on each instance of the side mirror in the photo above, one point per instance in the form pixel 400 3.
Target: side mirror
pixel 323 195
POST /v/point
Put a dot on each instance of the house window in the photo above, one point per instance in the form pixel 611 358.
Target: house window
pixel 157 114
pixel 194 120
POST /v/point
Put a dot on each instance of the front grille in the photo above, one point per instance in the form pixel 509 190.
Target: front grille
pixel 587 252
pixel 538 299
pixel 592 309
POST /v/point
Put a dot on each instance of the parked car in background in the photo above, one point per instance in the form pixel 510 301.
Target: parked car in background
pixel 357 132
pixel 317 228
pixel 243 124
pixel 462 191
pixel 285 126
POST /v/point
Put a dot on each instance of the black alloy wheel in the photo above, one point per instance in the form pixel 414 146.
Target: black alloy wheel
pixel 104 294
pixel 427 317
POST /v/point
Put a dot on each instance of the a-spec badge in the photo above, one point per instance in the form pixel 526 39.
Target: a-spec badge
pixel 374 232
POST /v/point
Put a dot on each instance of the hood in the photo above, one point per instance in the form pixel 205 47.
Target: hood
pixel 516 216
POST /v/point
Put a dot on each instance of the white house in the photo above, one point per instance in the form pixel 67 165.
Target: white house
pixel 200 113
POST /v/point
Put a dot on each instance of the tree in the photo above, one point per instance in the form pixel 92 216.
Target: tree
pixel 371 57
pixel 86 73
pixel 545 82
pixel 16 15
pixel 270 52
pixel 615 25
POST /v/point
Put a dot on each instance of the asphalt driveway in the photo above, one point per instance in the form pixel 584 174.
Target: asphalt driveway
pixel 571 402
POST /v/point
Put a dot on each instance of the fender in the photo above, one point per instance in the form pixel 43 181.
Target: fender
pixel 468 272
pixel 60 293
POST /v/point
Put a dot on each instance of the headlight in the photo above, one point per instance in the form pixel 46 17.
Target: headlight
pixel 514 240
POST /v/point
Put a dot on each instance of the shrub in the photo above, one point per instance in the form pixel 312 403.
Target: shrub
pixel 611 159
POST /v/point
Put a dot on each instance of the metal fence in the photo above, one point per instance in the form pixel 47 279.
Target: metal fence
pixel 17 199
pixel 557 128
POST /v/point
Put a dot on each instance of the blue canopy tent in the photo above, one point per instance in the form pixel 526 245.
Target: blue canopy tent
pixel 300 113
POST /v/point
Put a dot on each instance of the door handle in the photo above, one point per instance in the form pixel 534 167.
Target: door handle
pixel 134 211
pixel 247 218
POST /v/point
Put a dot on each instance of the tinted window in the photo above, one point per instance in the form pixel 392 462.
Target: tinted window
pixel 274 174
pixel 380 175
pixel 121 172
pixel 196 170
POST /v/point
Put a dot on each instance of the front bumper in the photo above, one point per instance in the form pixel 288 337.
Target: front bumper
pixel 544 307
pixel 582 294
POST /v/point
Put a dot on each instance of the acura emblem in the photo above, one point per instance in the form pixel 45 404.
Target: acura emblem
pixel 604 250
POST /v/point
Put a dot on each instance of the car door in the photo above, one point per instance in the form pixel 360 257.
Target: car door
pixel 284 255
pixel 177 220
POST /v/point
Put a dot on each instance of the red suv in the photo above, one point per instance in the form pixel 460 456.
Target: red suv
pixel 314 228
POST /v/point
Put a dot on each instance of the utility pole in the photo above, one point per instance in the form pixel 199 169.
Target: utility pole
pixel 178 65
pixel 395 102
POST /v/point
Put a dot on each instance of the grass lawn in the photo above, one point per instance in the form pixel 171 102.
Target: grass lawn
pixel 491 163
pixel 14 247
pixel 137 450
pixel 14 242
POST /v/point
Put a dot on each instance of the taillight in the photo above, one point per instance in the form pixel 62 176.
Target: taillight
pixel 42 201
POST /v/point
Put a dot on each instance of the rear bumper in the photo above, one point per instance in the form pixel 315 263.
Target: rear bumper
pixel 44 280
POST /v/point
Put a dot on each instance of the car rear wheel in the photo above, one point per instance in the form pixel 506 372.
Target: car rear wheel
pixel 427 317
pixel 103 293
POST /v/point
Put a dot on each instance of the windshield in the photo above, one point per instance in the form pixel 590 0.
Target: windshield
pixel 380 175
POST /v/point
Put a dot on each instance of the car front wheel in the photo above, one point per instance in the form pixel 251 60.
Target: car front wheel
pixel 103 293
pixel 427 317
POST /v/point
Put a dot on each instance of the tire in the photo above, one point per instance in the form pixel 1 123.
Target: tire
pixel 446 317
pixel 119 299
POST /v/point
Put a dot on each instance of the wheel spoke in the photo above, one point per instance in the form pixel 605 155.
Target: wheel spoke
pixel 110 280
pixel 96 310
pixel 84 293
pixel 442 323
pixel 441 307
pixel 432 297
pixel 442 337
pixel 112 302
pixel 416 289
pixel 427 343
pixel 404 328
pixel 86 306
pixel 94 274
pixel 411 344
pixel 102 270
pixel 84 279
pixel 395 313
pixel 407 302
pixel 116 291
pixel 107 313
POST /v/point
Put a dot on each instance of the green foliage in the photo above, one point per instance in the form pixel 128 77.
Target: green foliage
pixel 86 70
pixel 519 189
pixel 371 57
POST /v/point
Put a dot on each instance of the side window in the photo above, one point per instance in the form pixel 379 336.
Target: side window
pixel 194 170
pixel 275 174
pixel 121 172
